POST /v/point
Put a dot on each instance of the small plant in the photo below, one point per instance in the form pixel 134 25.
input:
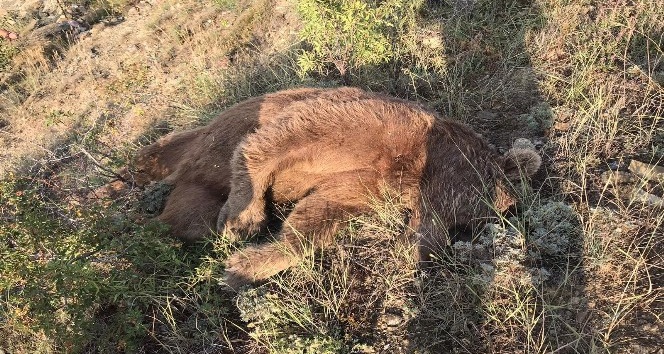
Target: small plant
pixel 154 198
pixel 281 324
pixel 7 52
pixel 314 307
pixel 540 117
pixel 553 227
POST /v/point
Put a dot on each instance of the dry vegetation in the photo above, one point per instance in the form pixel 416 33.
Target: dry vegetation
pixel 575 268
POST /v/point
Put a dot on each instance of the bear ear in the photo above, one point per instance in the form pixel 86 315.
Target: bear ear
pixel 520 162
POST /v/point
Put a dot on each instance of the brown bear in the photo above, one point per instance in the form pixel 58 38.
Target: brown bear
pixel 197 162
pixel 333 159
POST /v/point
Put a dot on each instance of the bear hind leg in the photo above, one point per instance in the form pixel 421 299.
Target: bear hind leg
pixel 190 211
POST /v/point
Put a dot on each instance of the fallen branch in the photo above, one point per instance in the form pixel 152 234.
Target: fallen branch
pixel 101 167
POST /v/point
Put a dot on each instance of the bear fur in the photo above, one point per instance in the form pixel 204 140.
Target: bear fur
pixel 331 153
pixel 334 159
pixel 196 163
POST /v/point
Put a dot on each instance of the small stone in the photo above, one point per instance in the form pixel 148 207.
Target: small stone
pixel 647 198
pixel 392 320
pixel 487 116
pixel 618 177
pixel 523 143
pixel 647 171
pixel 614 165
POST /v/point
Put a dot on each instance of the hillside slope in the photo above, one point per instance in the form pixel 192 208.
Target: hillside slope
pixel 576 267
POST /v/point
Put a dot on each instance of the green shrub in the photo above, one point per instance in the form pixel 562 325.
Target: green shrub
pixel 77 278
pixel 352 33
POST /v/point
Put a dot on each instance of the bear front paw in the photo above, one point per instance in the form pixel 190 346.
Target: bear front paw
pixel 248 223
pixel 235 279
pixel 238 270
pixel 256 263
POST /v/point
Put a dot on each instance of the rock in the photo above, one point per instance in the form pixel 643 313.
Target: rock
pixel 23 9
pixel 647 198
pixel 26 5
pixel 647 171
pixel 614 165
pixel 52 7
pixel 618 177
pixel 30 9
pixel 92 17
pixel 392 320
pixel 523 143
pixel 539 143
pixel 115 20
pixel 45 21
pixel 487 116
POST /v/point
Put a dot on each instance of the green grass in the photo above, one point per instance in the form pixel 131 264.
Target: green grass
pixel 7 52
pixel 575 268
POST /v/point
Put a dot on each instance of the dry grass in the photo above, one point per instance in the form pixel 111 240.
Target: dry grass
pixel 167 63
pixel 575 268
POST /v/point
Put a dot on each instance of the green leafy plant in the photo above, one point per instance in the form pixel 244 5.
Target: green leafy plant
pixel 7 52
pixel 71 273
pixel 349 34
